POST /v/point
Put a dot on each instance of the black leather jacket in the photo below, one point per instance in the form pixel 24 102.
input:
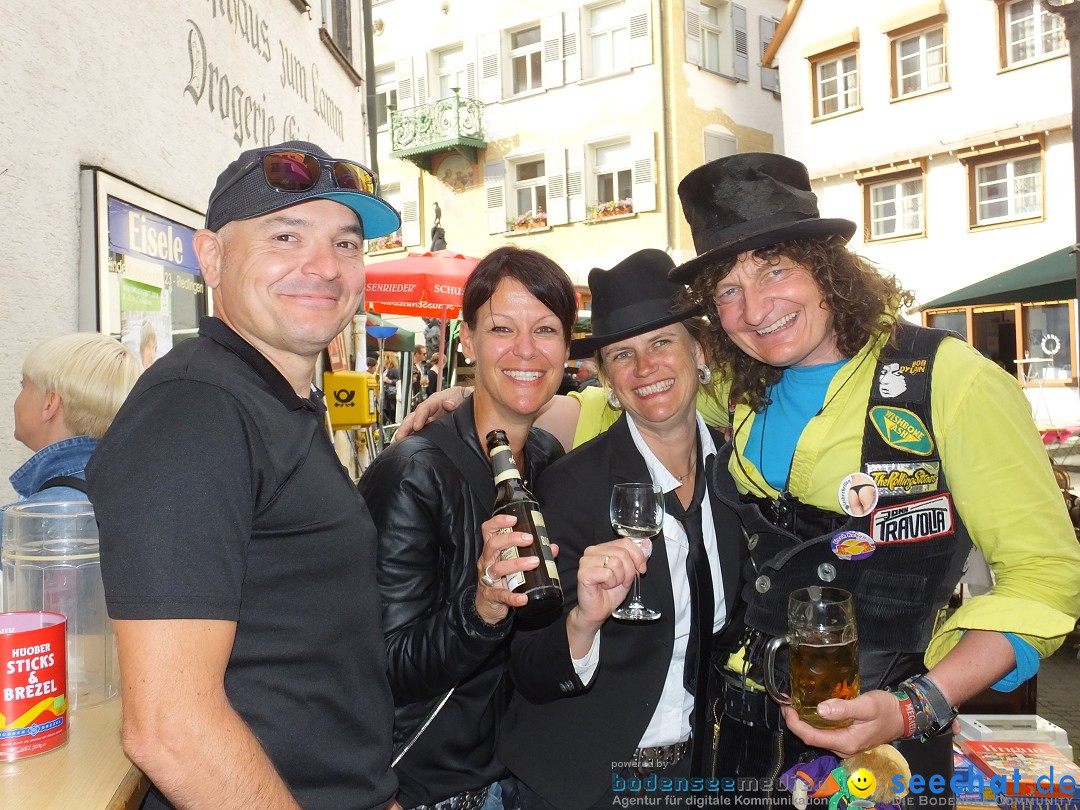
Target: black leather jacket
pixel 428 518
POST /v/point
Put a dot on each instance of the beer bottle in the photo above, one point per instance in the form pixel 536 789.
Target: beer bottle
pixel 541 584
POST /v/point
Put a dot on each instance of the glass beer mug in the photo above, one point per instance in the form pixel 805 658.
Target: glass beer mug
pixel 823 653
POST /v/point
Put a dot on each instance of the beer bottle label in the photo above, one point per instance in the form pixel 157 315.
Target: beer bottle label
pixel 545 547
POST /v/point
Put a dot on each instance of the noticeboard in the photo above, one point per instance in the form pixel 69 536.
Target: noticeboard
pixel 139 278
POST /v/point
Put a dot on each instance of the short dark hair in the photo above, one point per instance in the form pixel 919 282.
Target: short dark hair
pixel 538 274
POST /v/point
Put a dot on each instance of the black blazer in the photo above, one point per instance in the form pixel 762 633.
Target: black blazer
pixel 561 738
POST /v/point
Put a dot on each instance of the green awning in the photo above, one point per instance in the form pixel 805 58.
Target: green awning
pixel 1049 278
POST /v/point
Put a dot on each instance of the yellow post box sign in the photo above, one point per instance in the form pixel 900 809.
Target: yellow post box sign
pixel 351 398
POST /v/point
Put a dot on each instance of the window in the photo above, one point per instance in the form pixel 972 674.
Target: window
pixel 896 208
pixel 385 95
pixel 711 37
pixel 451 71
pixel 530 193
pixel 609 39
pixel 525 60
pixel 613 170
pixel 337 23
pixel 836 84
pixel 717 38
pixel 1031 31
pixel 1008 189
pixel 1048 333
pixel 391 192
pixel 919 61
pixel 952 320
pixel 718 145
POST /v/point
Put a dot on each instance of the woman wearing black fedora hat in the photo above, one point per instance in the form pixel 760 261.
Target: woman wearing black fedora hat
pixel 600 703
pixel 829 388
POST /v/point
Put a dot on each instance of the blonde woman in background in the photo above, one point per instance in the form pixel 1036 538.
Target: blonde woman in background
pixel 72 387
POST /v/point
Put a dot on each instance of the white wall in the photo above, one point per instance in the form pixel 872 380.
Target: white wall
pixel 118 85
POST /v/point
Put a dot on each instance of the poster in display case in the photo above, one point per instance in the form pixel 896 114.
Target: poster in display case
pixel 139 278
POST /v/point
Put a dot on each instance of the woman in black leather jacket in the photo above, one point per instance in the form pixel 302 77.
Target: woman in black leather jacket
pixel 431 495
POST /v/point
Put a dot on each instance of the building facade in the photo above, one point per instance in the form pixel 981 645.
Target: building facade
pixel 119 117
pixel 561 126
pixel 943 130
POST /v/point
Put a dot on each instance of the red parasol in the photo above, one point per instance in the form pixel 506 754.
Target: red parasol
pixel 425 284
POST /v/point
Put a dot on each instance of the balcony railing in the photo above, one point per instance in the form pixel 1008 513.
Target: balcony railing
pixel 449 124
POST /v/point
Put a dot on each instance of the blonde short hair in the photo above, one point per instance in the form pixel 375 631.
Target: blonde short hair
pixel 92 373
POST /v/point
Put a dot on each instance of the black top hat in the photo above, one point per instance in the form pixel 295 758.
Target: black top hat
pixel 747 202
pixel 632 298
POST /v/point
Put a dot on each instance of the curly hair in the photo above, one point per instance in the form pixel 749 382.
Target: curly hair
pixel 860 301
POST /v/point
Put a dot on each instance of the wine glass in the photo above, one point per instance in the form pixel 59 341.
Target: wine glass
pixel 637 512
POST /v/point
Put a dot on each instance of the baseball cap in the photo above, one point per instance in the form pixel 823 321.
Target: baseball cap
pixel 263 180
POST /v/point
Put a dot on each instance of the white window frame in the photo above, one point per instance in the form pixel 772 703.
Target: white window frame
pixel 903 207
pixel 386 87
pixel 608 39
pixel 531 185
pixel 846 81
pixel 924 69
pixel 715 31
pixel 1013 184
pixel 1044 24
pixel 616 172
pixel 449 74
pixel 531 52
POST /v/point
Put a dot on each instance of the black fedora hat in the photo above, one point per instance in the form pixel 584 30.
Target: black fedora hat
pixel 747 202
pixel 632 298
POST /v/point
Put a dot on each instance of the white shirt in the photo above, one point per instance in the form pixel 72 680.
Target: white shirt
pixel 670 722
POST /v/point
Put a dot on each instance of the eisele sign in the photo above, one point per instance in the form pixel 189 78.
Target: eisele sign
pixel 134 231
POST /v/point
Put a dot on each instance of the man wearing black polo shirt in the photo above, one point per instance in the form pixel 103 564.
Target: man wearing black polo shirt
pixel 238 557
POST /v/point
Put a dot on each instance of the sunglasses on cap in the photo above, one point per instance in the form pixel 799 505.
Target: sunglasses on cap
pixel 295 171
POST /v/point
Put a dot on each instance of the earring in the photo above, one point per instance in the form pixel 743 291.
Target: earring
pixel 613 400
pixel 468 361
pixel 704 374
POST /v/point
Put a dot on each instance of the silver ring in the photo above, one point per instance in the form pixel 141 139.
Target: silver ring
pixel 606 558
pixel 486 577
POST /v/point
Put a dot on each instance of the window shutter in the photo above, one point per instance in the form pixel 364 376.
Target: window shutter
pixel 555 168
pixel 575 183
pixel 640 33
pixel 410 213
pixel 770 77
pixel 403 73
pixel 495 192
pixel 741 44
pixel 570 46
pixel 490 67
pixel 471 88
pixel 692 18
pixel 421 79
pixel 551 67
pixel 644 175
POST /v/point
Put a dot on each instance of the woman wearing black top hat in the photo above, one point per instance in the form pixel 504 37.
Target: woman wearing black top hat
pixel 593 690
pixel 831 389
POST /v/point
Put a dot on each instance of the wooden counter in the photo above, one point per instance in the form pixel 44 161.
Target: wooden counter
pixel 89 773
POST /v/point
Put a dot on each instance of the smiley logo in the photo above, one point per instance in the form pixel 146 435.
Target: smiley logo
pixel 861 783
